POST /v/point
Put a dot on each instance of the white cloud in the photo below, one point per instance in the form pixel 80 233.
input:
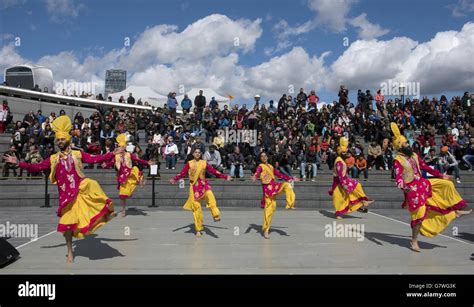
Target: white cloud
pixel 462 8
pixel 8 57
pixel 332 13
pixel 203 55
pixel 366 29
pixel 442 64
pixel 62 10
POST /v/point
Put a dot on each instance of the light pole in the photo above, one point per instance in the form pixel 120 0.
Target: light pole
pixel 401 90
pixel 257 99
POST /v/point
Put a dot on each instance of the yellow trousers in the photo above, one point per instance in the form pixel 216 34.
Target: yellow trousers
pixel 270 204
pixel 195 207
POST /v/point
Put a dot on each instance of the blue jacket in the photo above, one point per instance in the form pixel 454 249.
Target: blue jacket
pixel 186 103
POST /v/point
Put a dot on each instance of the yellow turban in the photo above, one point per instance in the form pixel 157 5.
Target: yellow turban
pixel 398 138
pixel 343 145
pixel 122 140
pixel 61 127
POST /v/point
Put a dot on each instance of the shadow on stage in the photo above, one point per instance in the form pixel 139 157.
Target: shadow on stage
pixel 402 241
pixel 207 230
pixel 136 211
pixel 94 248
pixel 331 215
pixel 258 229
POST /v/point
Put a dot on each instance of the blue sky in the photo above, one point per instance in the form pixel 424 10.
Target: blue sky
pixel 95 28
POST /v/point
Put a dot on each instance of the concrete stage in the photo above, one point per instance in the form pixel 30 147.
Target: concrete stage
pixel 162 241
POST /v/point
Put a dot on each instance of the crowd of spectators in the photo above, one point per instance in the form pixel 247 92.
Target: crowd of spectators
pixel 299 137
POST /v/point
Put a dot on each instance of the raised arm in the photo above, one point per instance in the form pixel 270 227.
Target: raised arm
pixel 138 160
pixel 36 167
pixel 215 172
pixel 183 173
pixel 92 159
pixel 281 175
pixel 426 168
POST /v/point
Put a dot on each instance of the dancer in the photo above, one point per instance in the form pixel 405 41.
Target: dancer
pixel 271 189
pixel 347 194
pixel 432 203
pixel 128 176
pixel 83 205
pixel 199 189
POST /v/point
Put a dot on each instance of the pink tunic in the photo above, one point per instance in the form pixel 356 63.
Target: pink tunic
pixel 124 171
pixel 68 180
pixel 348 184
pixel 273 187
pixel 420 188
pixel 201 185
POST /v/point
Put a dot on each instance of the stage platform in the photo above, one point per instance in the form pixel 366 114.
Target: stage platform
pixel 162 241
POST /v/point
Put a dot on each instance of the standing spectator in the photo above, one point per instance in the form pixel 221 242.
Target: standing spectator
pixel 171 154
pixel 130 99
pixel 213 104
pixel 200 104
pixel 301 98
pixel 312 162
pixel 172 104
pixel 186 103
pixel 313 100
pixel 4 111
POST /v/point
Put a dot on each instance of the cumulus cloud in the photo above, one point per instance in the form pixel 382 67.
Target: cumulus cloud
pixel 462 8
pixel 366 29
pixel 165 59
pixel 442 64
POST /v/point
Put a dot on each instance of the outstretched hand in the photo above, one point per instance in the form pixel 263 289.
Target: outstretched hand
pixel 11 159
pixel 447 177
pixel 228 178
pixel 119 150
pixel 172 181
pixel 254 178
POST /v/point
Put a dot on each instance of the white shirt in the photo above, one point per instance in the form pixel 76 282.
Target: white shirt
pixel 171 148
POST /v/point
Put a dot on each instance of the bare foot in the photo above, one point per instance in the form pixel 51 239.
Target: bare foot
pixel 111 215
pixel 414 246
pixel 266 235
pixel 290 208
pixel 369 202
pixel 338 217
pixel 217 219
pixel 124 213
pixel 198 234
pixel 70 258
pixel 463 212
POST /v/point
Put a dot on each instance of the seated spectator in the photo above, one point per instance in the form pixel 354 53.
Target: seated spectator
pixel 12 151
pixel 33 156
pixel 448 164
pixel 351 168
pixel 361 167
pixel 236 161
pixel 213 158
pixel 374 158
pixel 171 153
pixel 468 158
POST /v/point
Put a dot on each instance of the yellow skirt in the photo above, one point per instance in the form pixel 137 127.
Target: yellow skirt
pixel 128 187
pixel 87 212
pixel 345 202
pixel 438 212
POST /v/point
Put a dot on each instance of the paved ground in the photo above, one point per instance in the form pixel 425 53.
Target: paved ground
pixel 162 241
